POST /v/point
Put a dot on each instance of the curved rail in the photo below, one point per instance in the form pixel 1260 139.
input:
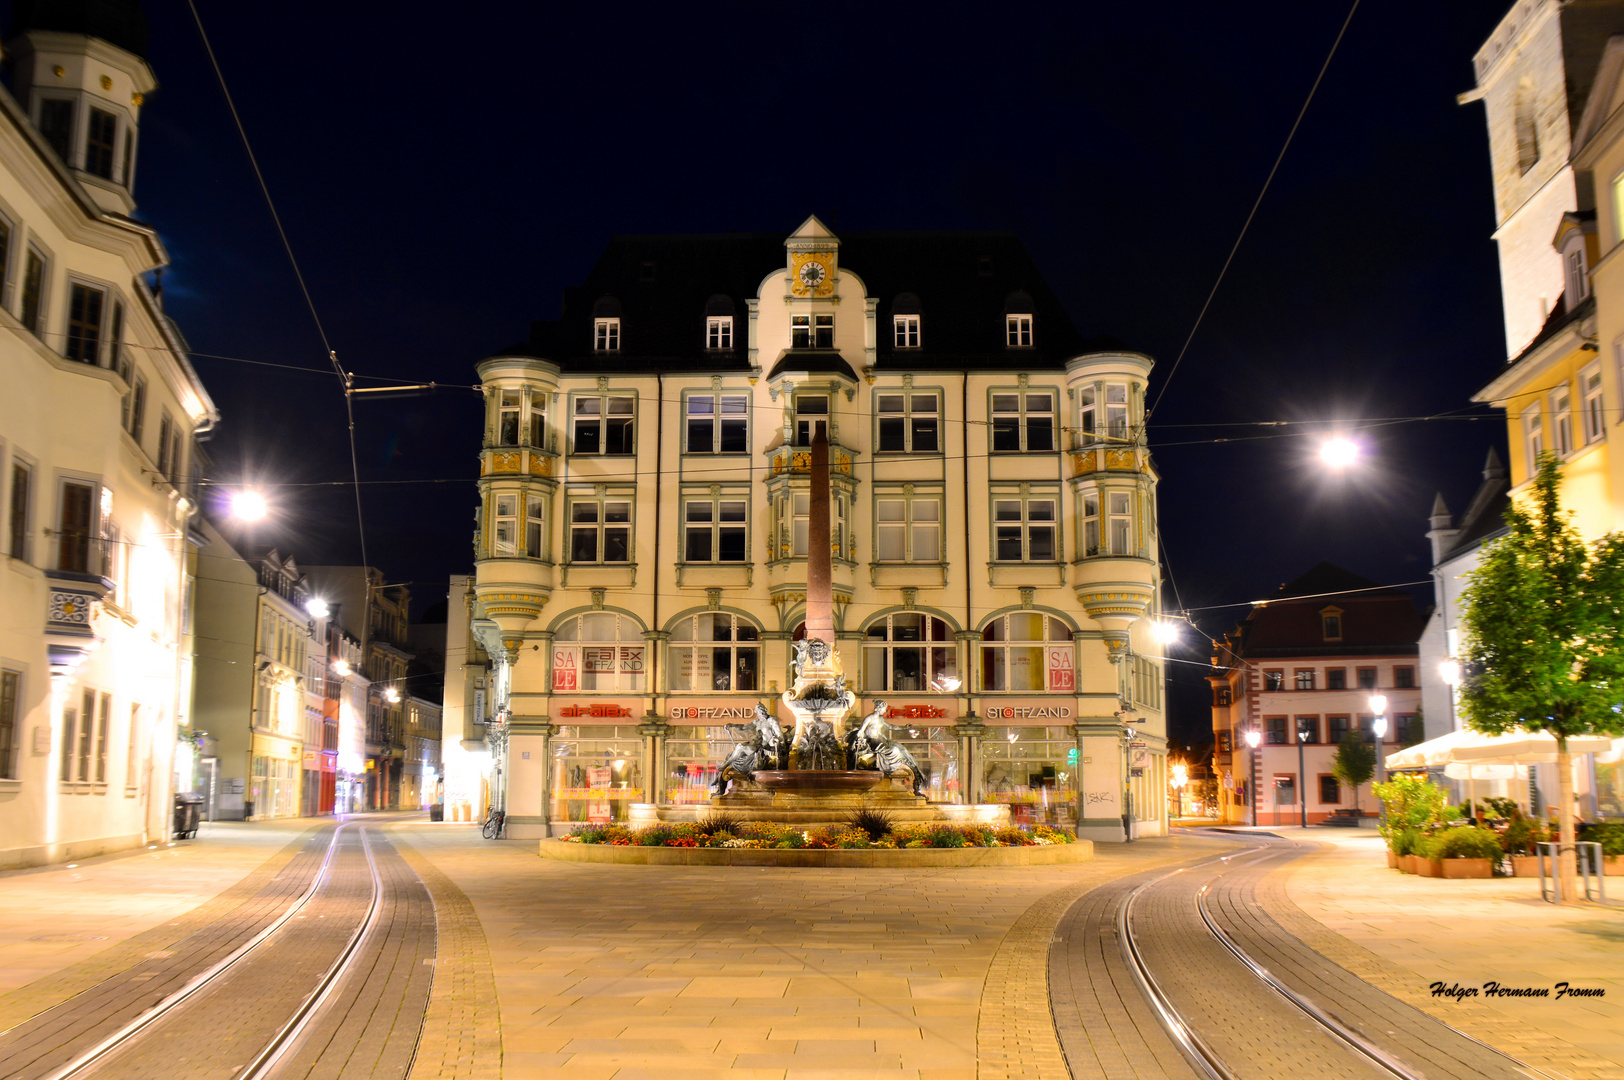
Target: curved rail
pixel 1196 1050
pixel 287 1035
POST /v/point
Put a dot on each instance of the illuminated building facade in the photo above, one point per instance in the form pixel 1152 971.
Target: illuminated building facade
pixel 97 456
pixel 642 539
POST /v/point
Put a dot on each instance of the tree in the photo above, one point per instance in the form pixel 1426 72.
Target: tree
pixel 1545 637
pixel 1355 761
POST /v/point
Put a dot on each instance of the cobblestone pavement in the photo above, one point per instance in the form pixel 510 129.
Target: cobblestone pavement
pixel 781 973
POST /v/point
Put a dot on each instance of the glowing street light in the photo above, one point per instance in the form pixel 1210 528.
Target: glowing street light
pixel 1253 737
pixel 1378 726
pixel 342 667
pixel 1339 452
pixel 249 505
pixel 317 607
pixel 1166 632
pixel 391 695
pixel 1450 671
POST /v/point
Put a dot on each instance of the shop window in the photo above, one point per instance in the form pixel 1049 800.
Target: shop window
pixel 598 651
pixel 1033 770
pixel 908 423
pixel 1026 651
pixel 597 774
pixel 909 653
pixel 908 529
pixel 715 650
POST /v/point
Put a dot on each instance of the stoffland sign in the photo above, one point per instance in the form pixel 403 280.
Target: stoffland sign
pixel 1028 710
pixel 711 712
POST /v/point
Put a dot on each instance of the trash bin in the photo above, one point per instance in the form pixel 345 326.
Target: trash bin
pixel 188 809
pixel 437 811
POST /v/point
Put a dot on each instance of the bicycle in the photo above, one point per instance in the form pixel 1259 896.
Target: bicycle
pixel 494 820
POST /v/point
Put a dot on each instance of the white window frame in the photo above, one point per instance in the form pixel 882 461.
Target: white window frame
pixel 1119 528
pixel 815 330
pixel 827 416
pixel 1562 420
pixel 601 418
pixel 1053 629
pixel 1025 525
pixel 1018 331
pixel 936 636
pixel 509 413
pixel 536 537
pixel 733 646
pixel 606 334
pixel 726 412
pixel 505 524
pixel 1089 535
pixel 1533 425
pixel 533 425
pixel 905 331
pixel 31 467
pixel 1578 283
pixel 909 415
pixel 911 522
pixel 1022 415
pixel 600 525
pixel 1593 404
pixel 712 523
pixel 718 331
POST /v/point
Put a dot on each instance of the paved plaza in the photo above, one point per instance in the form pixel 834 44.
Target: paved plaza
pixel 546 969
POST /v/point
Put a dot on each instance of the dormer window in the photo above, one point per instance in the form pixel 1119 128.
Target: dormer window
pixel 605 335
pixel 1018 331
pixel 907 331
pixel 1578 282
pixel 811 331
pixel 718 331
pixel 1331 624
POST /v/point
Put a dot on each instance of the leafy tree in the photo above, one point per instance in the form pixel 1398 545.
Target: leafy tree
pixel 1355 761
pixel 1545 635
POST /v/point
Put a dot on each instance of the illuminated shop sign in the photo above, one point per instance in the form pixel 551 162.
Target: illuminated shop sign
pixel 598 711
pixel 904 711
pixel 732 712
pixel 1046 711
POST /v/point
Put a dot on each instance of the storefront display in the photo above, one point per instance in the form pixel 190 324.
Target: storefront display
pixel 596 773
pixel 1033 770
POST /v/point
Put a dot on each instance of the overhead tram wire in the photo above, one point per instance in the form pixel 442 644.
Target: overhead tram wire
pixel 1253 213
pixel 344 378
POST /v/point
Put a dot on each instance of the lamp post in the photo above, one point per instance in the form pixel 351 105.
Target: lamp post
pixel 1378 727
pixel 1253 737
pixel 1302 777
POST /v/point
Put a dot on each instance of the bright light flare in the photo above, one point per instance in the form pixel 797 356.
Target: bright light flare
pixel 317 607
pixel 249 506
pixel 1338 452
pixel 341 666
pixel 391 695
pixel 1450 670
pixel 1165 632
pixel 1180 776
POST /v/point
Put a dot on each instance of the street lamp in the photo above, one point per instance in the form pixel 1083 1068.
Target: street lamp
pixel 317 607
pixel 1339 452
pixel 1378 727
pixel 249 505
pixel 1253 737
pixel 1302 776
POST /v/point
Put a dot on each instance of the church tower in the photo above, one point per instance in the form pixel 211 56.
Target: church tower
pixel 1533 76
pixel 80 71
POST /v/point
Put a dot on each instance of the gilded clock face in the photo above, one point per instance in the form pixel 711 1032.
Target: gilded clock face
pixel 812 274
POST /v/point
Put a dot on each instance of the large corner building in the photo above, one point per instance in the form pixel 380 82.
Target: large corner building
pixel 641 548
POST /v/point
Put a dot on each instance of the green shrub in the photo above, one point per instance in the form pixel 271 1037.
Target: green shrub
pixel 874 823
pixel 1449 813
pixel 1404 841
pixel 1428 847
pixel 1412 803
pixel 1467 842
pixel 1501 808
pixel 947 836
pixel 1518 839
pixel 1609 834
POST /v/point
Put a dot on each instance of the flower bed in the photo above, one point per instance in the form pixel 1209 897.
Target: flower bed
pixel 733 834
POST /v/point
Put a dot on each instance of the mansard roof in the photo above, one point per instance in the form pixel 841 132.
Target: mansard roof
pixel 1375 621
pixel 962 283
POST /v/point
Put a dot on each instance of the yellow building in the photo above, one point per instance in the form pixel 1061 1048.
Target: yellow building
pixel 642 552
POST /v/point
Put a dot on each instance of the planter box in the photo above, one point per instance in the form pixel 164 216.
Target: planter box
pixel 1392 861
pixel 1525 866
pixel 1613 865
pixel 1429 867
pixel 1407 864
pixel 1465 868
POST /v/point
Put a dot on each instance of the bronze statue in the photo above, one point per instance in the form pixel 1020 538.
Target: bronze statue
pixel 773 742
pixel 818 749
pixel 743 761
pixel 872 748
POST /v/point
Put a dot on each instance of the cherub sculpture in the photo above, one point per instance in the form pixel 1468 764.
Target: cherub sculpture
pixel 873 748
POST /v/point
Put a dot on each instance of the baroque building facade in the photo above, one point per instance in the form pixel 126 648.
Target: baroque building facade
pixel 642 536
pixel 97 453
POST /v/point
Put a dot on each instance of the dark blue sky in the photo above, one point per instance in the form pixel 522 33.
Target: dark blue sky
pixel 444 172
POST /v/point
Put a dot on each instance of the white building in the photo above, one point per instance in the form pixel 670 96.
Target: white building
pixel 96 433
pixel 641 555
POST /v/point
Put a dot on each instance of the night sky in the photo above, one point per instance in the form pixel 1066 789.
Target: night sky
pixel 443 172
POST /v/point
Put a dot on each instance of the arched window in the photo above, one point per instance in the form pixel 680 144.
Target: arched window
pixel 909 652
pixel 1027 651
pixel 715 650
pixel 601 651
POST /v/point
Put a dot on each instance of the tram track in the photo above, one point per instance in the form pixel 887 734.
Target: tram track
pixel 273 1006
pixel 1327 1045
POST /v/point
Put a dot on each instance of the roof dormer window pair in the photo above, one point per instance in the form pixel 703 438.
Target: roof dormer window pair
pixel 905 322
pixel 606 324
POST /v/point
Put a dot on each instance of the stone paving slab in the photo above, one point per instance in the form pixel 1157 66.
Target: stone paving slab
pixel 797 973
pixel 1401 933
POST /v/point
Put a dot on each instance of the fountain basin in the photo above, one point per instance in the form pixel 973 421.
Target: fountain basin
pixel 833 781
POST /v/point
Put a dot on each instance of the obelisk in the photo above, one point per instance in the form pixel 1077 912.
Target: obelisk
pixel 820 615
